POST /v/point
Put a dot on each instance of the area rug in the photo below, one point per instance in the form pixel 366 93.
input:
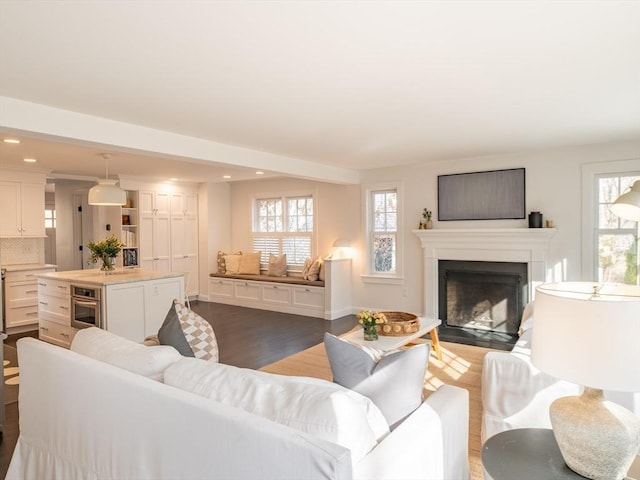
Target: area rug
pixel 11 375
pixel 461 365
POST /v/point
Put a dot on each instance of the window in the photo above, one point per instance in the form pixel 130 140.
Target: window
pixel 616 238
pixel 49 218
pixel 284 225
pixel 383 231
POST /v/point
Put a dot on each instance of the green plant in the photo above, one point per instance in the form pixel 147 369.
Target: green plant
pixel 426 214
pixel 105 251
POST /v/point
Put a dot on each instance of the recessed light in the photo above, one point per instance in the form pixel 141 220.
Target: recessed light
pixel 227 177
pixel 11 140
pixel 259 172
pixel 30 160
pixel 173 179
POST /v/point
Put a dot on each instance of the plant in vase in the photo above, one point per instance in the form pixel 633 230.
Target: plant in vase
pixel 369 320
pixel 105 251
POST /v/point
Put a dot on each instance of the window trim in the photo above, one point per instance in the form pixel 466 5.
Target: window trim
pixel 369 276
pixel 590 174
pixel 283 197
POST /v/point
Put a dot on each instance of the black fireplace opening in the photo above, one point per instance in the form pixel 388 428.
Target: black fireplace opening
pixel 481 303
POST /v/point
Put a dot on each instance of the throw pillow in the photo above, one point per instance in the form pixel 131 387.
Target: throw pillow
pixel 314 270
pixel 306 267
pixel 314 406
pixel 250 263
pixel 189 333
pixel 222 268
pixel 99 344
pixel 232 264
pixel 277 265
pixel 394 382
pixel 321 275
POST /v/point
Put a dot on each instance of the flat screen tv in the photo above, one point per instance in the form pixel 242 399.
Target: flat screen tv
pixel 490 195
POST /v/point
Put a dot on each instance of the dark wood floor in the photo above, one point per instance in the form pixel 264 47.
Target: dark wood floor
pixel 246 337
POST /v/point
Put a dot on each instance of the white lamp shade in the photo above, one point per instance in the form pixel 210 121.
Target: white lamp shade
pixel 106 192
pixel 591 340
pixel 627 205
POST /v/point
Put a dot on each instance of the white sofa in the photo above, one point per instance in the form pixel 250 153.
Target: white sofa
pixel 84 418
pixel 515 394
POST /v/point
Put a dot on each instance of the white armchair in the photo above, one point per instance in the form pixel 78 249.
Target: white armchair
pixel 515 394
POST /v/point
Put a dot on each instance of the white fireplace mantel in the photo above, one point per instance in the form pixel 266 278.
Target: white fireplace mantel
pixel 522 245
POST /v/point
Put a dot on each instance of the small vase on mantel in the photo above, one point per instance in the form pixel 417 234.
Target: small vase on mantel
pixel 428 225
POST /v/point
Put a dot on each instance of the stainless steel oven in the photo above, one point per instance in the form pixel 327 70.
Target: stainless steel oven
pixel 85 307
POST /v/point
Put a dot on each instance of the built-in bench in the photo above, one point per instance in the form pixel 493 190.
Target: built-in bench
pixel 328 299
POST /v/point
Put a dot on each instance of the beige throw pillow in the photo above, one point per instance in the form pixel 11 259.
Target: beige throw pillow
pixel 306 267
pixel 250 263
pixel 314 270
pixel 222 267
pixel 232 264
pixel 277 265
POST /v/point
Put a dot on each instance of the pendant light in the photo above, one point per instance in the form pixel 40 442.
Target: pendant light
pixel 106 192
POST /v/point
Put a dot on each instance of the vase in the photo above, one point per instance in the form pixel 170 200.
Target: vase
pixel 108 264
pixel 428 225
pixel 370 331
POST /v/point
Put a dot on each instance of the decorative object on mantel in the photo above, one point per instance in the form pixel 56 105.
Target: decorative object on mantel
pixel 398 324
pixel 627 205
pixel 426 223
pixel 105 251
pixel 584 334
pixel 369 320
pixel 535 220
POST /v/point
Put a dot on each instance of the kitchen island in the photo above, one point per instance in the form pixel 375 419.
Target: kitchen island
pixel 131 303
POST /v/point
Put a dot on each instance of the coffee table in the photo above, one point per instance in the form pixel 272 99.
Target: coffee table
pixel 386 343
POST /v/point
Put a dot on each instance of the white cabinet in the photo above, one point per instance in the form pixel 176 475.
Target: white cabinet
pixel 155 239
pixel 184 238
pixel 136 310
pixel 22 212
pixel 21 300
pixel 54 311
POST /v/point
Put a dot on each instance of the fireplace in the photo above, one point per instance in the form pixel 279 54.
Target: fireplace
pixel 486 296
pixel 525 246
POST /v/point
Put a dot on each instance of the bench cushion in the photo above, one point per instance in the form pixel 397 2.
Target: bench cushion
pixel 267 278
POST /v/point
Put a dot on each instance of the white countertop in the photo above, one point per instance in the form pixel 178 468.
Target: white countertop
pixel 96 277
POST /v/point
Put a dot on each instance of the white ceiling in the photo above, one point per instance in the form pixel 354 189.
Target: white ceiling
pixel 352 85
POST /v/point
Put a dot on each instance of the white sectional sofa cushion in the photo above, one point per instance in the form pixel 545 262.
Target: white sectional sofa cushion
pixel 84 419
pixel 150 362
pixel 313 406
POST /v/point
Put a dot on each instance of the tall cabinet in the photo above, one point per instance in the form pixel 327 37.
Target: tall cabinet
pixel 155 233
pixel 184 238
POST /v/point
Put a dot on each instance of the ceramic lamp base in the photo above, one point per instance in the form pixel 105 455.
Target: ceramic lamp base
pixel 598 439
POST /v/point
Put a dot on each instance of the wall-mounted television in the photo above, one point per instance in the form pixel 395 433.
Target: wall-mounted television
pixel 490 195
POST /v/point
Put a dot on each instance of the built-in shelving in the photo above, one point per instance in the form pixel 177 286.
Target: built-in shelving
pixel 130 232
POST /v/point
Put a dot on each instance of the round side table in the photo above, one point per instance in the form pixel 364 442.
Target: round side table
pixel 525 454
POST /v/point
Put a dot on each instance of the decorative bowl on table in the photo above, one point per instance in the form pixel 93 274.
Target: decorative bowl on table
pixel 399 324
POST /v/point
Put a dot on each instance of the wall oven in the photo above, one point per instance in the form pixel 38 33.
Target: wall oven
pixel 85 307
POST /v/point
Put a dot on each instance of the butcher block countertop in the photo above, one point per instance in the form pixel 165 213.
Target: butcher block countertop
pixel 96 277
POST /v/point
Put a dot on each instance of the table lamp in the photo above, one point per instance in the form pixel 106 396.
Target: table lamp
pixel 589 334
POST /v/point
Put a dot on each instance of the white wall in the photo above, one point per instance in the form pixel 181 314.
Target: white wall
pixel 553 186
pixel 337 209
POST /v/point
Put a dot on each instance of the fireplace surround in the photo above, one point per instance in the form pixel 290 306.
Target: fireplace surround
pixel 528 246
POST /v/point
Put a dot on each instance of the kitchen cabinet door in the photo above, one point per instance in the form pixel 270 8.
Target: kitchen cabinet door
pixel 22 213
